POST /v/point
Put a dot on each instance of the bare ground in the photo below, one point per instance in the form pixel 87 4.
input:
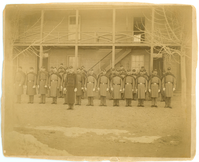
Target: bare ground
pixel 52 130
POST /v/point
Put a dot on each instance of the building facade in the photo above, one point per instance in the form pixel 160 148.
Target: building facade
pixel 98 37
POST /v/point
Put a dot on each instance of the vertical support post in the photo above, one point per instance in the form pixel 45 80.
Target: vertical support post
pixel 113 45
pixel 76 40
pixel 152 44
pixel 113 56
pixel 41 37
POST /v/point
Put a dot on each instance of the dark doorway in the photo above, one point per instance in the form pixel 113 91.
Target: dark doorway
pixel 158 65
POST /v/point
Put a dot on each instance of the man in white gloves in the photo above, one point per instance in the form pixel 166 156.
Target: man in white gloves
pixel 154 87
pixel 169 85
pixel 70 86
pixel 103 87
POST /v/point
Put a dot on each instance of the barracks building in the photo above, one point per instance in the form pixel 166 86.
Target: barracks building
pixel 93 36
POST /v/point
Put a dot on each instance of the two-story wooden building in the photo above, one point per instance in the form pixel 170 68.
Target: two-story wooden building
pixel 94 36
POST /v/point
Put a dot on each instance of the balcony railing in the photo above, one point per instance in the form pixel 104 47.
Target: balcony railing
pixel 66 37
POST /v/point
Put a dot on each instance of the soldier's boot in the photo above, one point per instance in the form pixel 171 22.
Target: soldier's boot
pixel 29 99
pixel 41 99
pixel 114 104
pixel 155 102
pixel 152 102
pixel 138 103
pixel 92 99
pixel 32 99
pixel 127 103
pixel 130 102
pixel 101 101
pixel 142 102
pixel 118 102
pixel 105 101
pixel 77 100
pixel 169 102
pixel 88 102
pixel 44 99
pixel 166 102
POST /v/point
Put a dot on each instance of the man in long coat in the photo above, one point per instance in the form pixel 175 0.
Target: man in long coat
pixel 42 82
pixel 49 74
pixel 31 80
pixel 61 71
pixel 129 86
pixel 103 87
pixel 80 86
pixel 84 75
pixel 70 85
pixel 169 85
pixel 62 85
pixel 134 74
pixel 162 92
pixel 141 85
pixel 54 85
pixel 18 83
pixel 90 86
pixel 122 74
pixel 116 88
pixel 154 88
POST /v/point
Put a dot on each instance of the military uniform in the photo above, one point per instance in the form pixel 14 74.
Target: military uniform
pixel 90 85
pixel 134 92
pixel 31 80
pixel 19 82
pixel 129 86
pixel 62 84
pixel 84 75
pixel 122 74
pixel 169 85
pixel 42 82
pixel 103 86
pixel 61 71
pixel 54 86
pixel 141 84
pixel 70 84
pixel 116 86
pixel 154 88
pixel 80 87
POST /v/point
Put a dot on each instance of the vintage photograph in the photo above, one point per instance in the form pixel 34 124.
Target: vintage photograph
pixel 99 81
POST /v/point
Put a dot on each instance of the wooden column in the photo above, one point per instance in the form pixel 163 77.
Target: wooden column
pixel 41 37
pixel 76 40
pixel 152 43
pixel 113 46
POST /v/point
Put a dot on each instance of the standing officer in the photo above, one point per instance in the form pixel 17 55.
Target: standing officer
pixel 54 85
pixel 31 80
pixel 70 86
pixel 134 74
pixel 62 85
pixel 122 74
pixel 154 87
pixel 169 85
pixel 19 82
pixel 42 82
pixel 84 75
pixel 80 86
pixel 116 88
pixel 162 92
pixel 141 84
pixel 129 86
pixel 103 87
pixel 90 86
pixel 61 71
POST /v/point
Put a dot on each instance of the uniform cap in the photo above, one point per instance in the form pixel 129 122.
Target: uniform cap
pixel 168 68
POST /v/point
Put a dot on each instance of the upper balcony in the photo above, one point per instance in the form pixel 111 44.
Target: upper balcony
pixel 93 27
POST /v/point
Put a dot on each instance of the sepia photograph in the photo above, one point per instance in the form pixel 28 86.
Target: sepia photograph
pixel 99 81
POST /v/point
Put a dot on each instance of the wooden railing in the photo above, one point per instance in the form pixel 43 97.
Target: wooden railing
pixel 65 37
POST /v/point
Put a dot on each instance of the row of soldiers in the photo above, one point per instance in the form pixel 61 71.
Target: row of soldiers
pixel 72 86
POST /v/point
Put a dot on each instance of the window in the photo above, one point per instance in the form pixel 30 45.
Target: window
pixel 139 29
pixel 137 62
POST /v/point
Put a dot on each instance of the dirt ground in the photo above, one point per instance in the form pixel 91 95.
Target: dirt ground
pixel 52 130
